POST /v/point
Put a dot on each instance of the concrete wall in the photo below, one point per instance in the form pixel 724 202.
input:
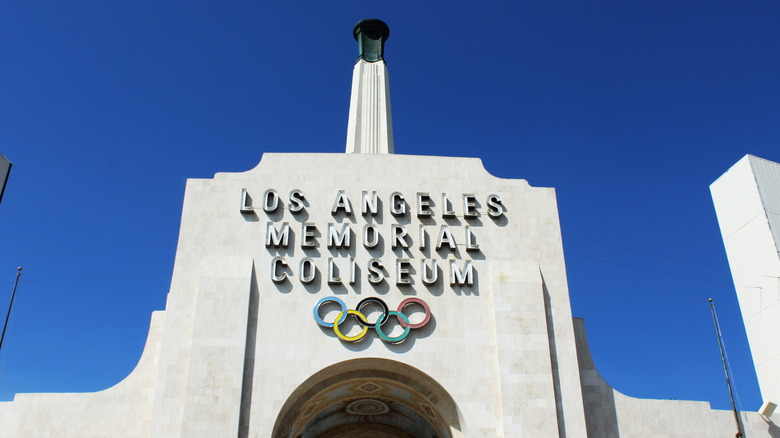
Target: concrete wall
pixel 747 201
pixel 612 414
pixel 234 349
pixel 122 410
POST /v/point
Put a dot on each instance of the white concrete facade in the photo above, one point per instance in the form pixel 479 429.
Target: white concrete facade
pixel 243 348
pixel 236 353
pixel 747 201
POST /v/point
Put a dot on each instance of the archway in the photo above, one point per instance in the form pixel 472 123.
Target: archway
pixel 369 397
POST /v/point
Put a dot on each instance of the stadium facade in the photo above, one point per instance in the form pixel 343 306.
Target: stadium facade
pixel 367 294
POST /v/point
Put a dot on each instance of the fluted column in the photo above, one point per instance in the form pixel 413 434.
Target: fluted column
pixel 370 126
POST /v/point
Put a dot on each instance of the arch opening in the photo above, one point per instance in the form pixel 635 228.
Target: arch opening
pixel 369 397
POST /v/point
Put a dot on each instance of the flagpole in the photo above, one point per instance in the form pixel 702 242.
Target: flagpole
pixel 726 370
pixel 8 315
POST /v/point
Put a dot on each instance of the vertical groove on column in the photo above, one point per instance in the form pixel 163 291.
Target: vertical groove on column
pixel 249 359
pixel 554 362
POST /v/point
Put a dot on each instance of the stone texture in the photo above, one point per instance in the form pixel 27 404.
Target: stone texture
pixel 747 201
pixel 235 353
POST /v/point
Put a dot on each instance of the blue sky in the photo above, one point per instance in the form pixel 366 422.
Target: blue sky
pixel 629 109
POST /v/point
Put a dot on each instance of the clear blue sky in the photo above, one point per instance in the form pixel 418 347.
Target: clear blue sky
pixel 629 109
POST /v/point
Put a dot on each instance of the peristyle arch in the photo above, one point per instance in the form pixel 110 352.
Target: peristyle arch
pixel 369 397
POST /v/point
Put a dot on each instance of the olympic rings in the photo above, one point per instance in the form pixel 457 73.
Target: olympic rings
pixel 401 318
pixel 408 301
pixel 342 316
pixel 380 320
pixel 361 319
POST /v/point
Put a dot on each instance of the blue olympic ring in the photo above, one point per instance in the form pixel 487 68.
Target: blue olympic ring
pixel 361 319
pixel 320 321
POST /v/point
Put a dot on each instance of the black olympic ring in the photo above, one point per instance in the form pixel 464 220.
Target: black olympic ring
pixel 381 320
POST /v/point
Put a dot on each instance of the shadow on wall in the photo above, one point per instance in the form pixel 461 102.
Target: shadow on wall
pixel 598 397
pixel 554 361
pixel 774 430
pixel 249 359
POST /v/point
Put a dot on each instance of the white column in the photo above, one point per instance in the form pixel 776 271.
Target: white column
pixel 370 127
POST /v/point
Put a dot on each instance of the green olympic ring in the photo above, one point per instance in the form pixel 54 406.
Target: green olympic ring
pixel 397 339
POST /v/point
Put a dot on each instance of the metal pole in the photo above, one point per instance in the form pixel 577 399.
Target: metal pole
pixel 8 315
pixel 726 370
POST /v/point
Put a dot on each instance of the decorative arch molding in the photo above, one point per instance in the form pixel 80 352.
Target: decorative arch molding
pixel 368 394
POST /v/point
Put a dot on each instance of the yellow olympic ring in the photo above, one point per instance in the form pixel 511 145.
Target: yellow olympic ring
pixel 357 337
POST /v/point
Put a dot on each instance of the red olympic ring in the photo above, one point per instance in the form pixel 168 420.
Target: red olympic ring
pixel 408 301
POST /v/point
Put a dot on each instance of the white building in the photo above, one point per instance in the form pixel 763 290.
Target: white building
pixel 747 201
pixel 465 269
